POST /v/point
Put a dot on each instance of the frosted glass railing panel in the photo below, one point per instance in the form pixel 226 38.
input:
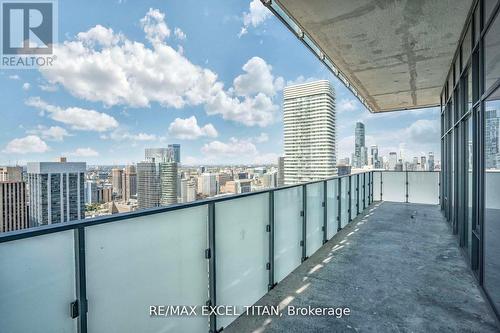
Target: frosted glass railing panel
pixel 345 201
pixel 287 231
pixel 156 259
pixel 242 251
pixel 354 196
pixel 394 186
pixel 332 207
pixel 423 187
pixel 37 284
pixel 376 186
pixel 315 213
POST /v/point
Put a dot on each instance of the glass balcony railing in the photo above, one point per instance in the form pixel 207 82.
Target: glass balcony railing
pixel 104 274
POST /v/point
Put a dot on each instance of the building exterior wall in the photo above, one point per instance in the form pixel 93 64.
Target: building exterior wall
pixel 309 132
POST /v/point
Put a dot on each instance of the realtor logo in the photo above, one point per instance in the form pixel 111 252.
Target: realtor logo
pixel 28 33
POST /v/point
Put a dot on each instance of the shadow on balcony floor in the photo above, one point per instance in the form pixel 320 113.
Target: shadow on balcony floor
pixel 397 268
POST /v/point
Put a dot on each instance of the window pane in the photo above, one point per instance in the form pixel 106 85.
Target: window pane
pixel 476 25
pixel 492 55
pixel 492 198
pixel 468 167
pixel 468 93
pixel 466 46
pixel 488 6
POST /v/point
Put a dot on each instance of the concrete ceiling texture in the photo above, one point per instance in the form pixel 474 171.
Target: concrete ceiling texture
pixel 396 53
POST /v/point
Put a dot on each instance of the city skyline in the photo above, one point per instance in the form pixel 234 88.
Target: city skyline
pixel 240 123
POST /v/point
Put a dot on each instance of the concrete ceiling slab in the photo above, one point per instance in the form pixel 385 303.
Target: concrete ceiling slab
pixel 396 53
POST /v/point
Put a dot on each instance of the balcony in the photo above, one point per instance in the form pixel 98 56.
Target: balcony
pixel 355 248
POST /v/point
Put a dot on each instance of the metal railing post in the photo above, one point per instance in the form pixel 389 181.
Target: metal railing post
pixel 325 212
pixel 406 186
pixel 349 209
pixel 80 307
pixel 270 229
pixel 304 222
pixel 339 199
pixel 211 264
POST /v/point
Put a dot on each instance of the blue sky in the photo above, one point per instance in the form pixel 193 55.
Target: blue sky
pixel 206 74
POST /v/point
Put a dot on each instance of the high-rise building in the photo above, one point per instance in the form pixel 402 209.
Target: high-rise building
pixel 171 153
pixel 309 132
pixel 116 180
pixel 430 161
pixel 13 174
pixel 168 183
pixel 360 151
pixel 281 171
pixel 374 158
pixel 91 192
pixel 56 192
pixel 156 154
pixel 174 151
pixel 209 184
pixel 492 139
pixel 423 163
pixel 191 190
pixel 13 207
pixel 129 182
pixel 393 160
pixel 148 185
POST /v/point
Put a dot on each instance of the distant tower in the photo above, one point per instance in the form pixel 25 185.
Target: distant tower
pixel 281 171
pixel 360 150
pixel 168 183
pixel 309 132
pixel 148 185
pixel 116 180
pixel 129 182
pixel 13 206
pixel 56 192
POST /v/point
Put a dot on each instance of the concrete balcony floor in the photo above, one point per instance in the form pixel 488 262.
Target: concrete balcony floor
pixel 398 268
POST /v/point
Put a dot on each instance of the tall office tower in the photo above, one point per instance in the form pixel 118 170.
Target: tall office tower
pixel 157 154
pixel 129 182
pixel 183 194
pixel 209 184
pixel 116 180
pixel 430 161
pixel 281 171
pixel 423 163
pixel 174 151
pixel 13 174
pixel 269 180
pixel 359 157
pixel 492 139
pixel 191 190
pixel 13 207
pixel 309 132
pixel 374 158
pixel 56 192
pixel 168 183
pixel 148 185
pixel 393 160
pixel 91 193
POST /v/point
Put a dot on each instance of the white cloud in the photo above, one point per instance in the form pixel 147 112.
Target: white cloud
pixel 84 152
pixel 53 133
pixel 77 118
pixel 269 158
pixel 263 137
pixel 255 16
pixel 48 87
pixel 188 129
pixel 251 111
pixel 179 34
pixel 26 86
pixel 124 135
pixel 28 144
pixel 301 79
pixel 346 105
pixel 235 147
pixel 119 71
pixel 257 79
pixel 154 26
pixel 14 77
